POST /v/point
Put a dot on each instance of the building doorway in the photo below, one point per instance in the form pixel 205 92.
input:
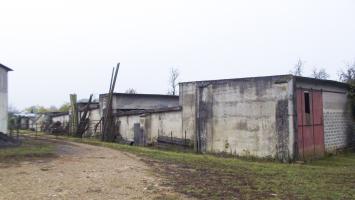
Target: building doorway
pixel 310 135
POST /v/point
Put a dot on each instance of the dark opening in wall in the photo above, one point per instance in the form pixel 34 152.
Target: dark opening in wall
pixel 307 103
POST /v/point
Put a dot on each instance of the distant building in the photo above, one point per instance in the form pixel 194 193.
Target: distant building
pixel 4 97
pixel 135 105
pixel 123 102
pixel 25 120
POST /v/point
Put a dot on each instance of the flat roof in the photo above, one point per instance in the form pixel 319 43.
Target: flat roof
pixel 321 81
pixel 143 95
pixel 240 79
pixel 286 76
pixel 3 66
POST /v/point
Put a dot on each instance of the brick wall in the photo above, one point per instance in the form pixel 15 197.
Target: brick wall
pixel 337 130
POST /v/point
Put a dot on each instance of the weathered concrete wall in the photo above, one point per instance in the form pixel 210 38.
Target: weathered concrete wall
pixel 94 118
pixel 3 100
pixel 245 117
pixel 127 126
pixel 188 114
pixel 153 124
pixel 166 124
pixel 123 101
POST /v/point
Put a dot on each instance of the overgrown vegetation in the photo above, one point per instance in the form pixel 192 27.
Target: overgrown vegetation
pixel 347 75
pixel 28 148
pixel 211 177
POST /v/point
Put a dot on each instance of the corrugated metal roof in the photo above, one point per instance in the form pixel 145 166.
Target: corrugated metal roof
pixel 3 66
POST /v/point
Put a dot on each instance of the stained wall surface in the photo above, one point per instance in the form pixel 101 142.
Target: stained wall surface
pixel 3 100
pixel 122 101
pixel 245 117
pixel 127 126
pixel 163 124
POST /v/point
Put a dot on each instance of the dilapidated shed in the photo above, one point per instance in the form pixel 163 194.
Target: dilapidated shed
pixel 282 117
pixel 122 102
pixel 3 97
pixel 129 107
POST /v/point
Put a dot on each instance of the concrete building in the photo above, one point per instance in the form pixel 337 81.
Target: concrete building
pixel 128 102
pixel 62 118
pixel 134 105
pixel 25 120
pixel 94 126
pixel 282 117
pixel 3 97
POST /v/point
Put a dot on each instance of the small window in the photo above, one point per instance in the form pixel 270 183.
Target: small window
pixel 307 103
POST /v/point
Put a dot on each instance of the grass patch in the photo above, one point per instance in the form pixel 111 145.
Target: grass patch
pixel 211 177
pixel 28 148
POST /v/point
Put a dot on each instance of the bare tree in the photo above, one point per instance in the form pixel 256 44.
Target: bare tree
pixel 173 81
pixel 298 68
pixel 320 73
pixel 347 75
pixel 131 91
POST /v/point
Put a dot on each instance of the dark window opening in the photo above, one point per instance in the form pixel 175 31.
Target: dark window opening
pixel 307 103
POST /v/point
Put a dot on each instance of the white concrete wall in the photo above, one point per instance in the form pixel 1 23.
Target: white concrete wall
pixel 163 124
pixel 127 126
pixel 242 115
pixel 188 114
pixel 94 118
pixel 3 100
pixel 153 125
pixel 244 122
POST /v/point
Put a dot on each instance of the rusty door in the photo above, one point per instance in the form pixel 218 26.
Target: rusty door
pixel 310 124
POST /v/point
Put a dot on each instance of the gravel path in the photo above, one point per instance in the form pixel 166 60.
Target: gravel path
pixel 82 172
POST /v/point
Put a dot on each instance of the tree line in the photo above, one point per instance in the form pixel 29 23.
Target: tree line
pixel 345 74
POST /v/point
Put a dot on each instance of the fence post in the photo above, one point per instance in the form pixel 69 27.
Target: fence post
pixel 171 135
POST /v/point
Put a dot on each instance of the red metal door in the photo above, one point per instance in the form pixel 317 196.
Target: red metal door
pixel 318 127
pixel 310 124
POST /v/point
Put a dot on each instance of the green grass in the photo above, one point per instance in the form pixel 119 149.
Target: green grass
pixel 28 148
pixel 211 177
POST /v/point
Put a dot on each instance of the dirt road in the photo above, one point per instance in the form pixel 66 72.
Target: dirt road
pixel 81 172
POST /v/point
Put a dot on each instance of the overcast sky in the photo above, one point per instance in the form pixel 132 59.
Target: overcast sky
pixel 70 46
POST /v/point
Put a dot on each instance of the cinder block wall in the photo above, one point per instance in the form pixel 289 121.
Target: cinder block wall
pixel 337 121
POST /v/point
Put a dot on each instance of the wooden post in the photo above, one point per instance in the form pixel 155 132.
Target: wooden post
pixel 74 118
pixel 108 121
pixel 84 120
